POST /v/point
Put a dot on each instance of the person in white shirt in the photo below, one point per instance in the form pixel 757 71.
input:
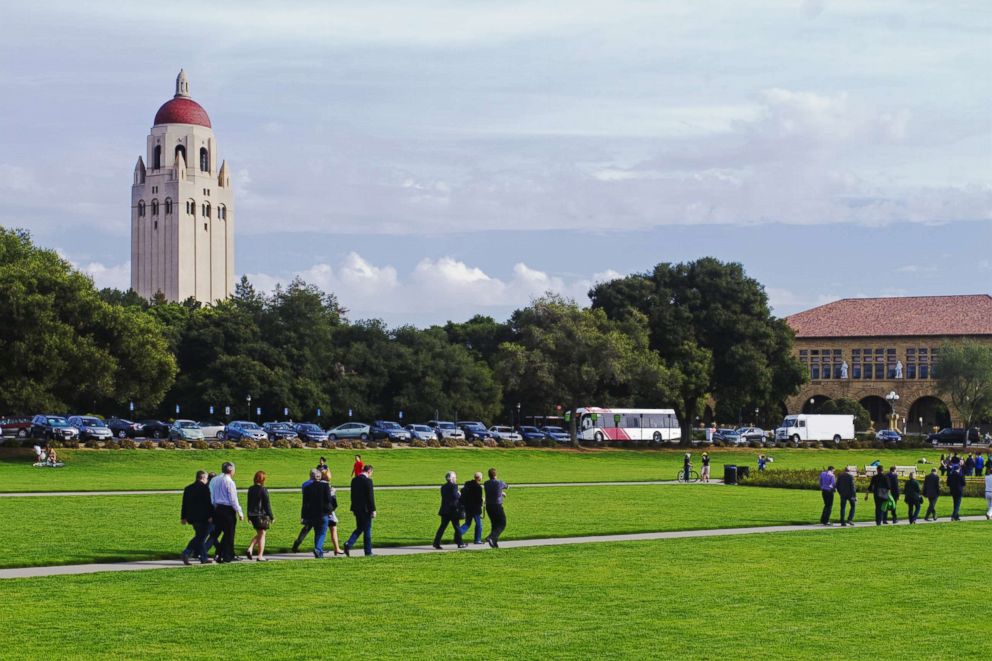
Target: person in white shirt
pixel 988 495
pixel 227 511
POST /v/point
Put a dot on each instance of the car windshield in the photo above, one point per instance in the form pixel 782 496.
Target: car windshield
pixel 249 425
pixel 309 427
pixel 446 425
pixel 473 425
pixel 530 430
pixel 389 425
pixel 502 429
pixel 93 422
pixel 187 424
pixel 423 428
pixel 279 425
pixel 58 422
pixel 555 430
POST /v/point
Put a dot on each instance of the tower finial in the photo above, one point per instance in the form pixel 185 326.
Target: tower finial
pixel 182 84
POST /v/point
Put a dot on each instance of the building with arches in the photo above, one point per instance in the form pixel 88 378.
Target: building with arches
pixel 182 250
pixel 865 349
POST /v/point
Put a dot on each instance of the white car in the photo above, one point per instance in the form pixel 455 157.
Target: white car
pixel 421 432
pixel 212 429
pixel 505 433
pixel 445 429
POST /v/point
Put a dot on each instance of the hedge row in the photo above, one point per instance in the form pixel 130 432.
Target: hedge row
pixel 857 444
pixel 810 479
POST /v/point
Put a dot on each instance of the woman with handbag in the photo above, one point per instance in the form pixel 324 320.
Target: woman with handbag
pixel 332 518
pixel 260 515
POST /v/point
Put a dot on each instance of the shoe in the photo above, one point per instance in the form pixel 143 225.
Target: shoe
pixel 261 559
pixel 339 553
pixel 885 522
pixel 850 523
pixel 296 548
pixel 489 540
pixel 185 559
pixel 895 521
pixel 463 546
pixel 495 544
pixel 988 516
pixel 248 553
pixel 842 524
pixel 208 561
pixel 318 555
pixel 236 558
pixel 347 550
pixel 438 547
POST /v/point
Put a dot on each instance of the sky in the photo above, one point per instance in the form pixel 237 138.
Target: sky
pixel 431 160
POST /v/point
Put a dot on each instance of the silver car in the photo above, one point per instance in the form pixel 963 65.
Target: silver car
pixel 445 429
pixel 505 433
pixel 421 432
pixel 185 430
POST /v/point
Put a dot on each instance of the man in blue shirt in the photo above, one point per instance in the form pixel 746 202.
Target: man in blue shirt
pixel 828 485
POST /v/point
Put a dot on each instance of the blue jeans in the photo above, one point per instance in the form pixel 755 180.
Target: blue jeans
pixel 363 526
pixel 478 527
pixel 319 534
pixel 198 544
pixel 844 503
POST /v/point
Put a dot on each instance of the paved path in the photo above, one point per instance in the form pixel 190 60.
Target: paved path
pixel 31 572
pixel 174 492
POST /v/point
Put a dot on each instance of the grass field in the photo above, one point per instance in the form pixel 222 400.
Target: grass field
pixel 69 530
pixel 97 470
pixel 860 594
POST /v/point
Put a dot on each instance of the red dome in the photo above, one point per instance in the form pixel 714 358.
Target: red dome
pixel 182 110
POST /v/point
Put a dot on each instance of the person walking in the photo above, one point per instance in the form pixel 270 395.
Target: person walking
pixel 318 504
pixel 305 530
pixel 988 496
pixel 914 497
pixel 260 515
pixel 322 464
pixel 969 465
pixel 705 474
pixel 686 465
pixel 332 518
pixel 449 510
pixel 762 460
pixel 227 511
pixel 197 512
pixel 955 484
pixel 931 491
pixel 878 488
pixel 495 493
pixel 363 507
pixel 979 464
pixel 944 463
pixel 828 484
pixel 356 468
pixel 847 489
pixel 893 479
pixel 471 499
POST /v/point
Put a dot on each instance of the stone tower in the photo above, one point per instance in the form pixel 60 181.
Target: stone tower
pixel 182 208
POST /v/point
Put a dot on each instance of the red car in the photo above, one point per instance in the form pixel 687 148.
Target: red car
pixel 16 426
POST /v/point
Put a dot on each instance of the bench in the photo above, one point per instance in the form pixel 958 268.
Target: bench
pixel 853 470
pixel 904 471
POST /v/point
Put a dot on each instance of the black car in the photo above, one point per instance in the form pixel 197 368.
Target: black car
pixel 52 427
pixel 122 428
pixel 955 436
pixel 307 431
pixel 279 430
pixel 474 430
pixel 153 429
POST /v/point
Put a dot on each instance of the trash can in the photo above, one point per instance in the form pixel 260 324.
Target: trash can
pixel 729 474
pixel 743 471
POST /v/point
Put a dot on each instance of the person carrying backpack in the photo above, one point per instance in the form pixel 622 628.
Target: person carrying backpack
pixel 879 488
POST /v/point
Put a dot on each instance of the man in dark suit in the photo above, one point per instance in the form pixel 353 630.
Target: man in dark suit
pixel 449 510
pixel 848 492
pixel 318 503
pixel 955 483
pixel 893 479
pixel 472 502
pixel 363 506
pixel 931 491
pixel 197 512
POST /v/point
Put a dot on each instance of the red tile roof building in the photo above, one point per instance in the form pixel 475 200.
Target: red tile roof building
pixel 897 317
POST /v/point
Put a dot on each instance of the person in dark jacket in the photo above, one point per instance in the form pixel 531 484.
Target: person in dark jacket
pixel 363 507
pixel 914 497
pixel 893 479
pixel 879 489
pixel 260 515
pixel 318 504
pixel 847 489
pixel 449 510
pixel 197 512
pixel 931 491
pixel 305 530
pixel 955 484
pixel 472 502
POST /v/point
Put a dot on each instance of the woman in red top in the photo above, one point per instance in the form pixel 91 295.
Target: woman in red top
pixel 356 470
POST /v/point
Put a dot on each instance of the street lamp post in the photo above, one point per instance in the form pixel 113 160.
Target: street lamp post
pixel 812 401
pixel 921 426
pixel 892 398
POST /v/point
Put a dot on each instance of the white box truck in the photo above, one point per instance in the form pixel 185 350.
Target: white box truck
pixel 810 427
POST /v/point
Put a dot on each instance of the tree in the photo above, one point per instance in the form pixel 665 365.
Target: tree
pixel 964 374
pixel 712 326
pixel 62 346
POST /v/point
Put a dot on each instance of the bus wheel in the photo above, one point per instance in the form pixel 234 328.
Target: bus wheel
pixel 598 437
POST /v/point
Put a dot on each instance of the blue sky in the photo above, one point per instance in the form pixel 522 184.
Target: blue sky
pixel 430 160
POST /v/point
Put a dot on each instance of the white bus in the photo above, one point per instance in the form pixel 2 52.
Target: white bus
pixel 599 425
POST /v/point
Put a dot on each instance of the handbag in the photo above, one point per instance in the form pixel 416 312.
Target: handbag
pixel 264 521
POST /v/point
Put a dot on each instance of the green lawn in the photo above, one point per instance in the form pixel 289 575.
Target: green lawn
pixel 70 530
pixel 97 470
pixel 860 594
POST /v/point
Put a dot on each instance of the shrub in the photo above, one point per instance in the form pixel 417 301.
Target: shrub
pixel 112 444
pixel 505 443
pixel 215 445
pixel 434 443
pixel 296 443
pixel 230 445
pixel 477 444
pixel 247 444
pixel 754 444
pixel 418 443
pixel 128 444
pixel 519 444
pixel 282 444
pixel 358 445
pixel 57 443
pixel 462 443
pixel 313 445
pixel 183 445
pixel 372 444
pixel 450 443
pixel 490 443
pixel 199 445
pixel 327 444
pixel 264 443
pixel 147 445
pixel 167 445
pixel 343 444
pixel 72 443
pixel 385 443
pixel 531 442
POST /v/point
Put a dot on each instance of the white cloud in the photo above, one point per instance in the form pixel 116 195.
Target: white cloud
pixel 115 276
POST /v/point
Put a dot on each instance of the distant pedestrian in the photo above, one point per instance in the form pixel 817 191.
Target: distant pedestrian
pixel 686 465
pixel 828 484
pixel 847 489
pixel 260 515
pixel 931 491
pixel 955 484
pixel 197 512
pixel 363 507
pixel 316 510
pixel 762 460
pixel 969 465
pixel 495 493
pixel 227 511
pixel 356 468
pixel 914 497
pixel 988 496
pixel 706 467
pixel 212 528
pixel 322 464
pixel 979 464
pixel 471 499
pixel 709 433
pixel 449 511
pixel 893 479
pixel 314 475
pixel 944 463
pixel 878 488
pixel 988 463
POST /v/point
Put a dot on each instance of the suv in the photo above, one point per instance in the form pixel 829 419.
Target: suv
pixel 948 436
pixel 239 429
pixel 279 430
pixel 91 427
pixel 387 429
pixel 474 431
pixel 52 427
pixel 445 429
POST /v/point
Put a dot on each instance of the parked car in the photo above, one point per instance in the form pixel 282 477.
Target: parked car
pixel 505 433
pixel 307 432
pixel 52 427
pixel 212 429
pixel 556 434
pixel 122 428
pixel 531 433
pixel 185 430
pixel 91 427
pixel 15 426
pixel 239 429
pixel 888 435
pixel 953 436
pixel 421 432
pixel 445 429
pixel 744 435
pixel 387 429
pixel 279 430
pixel 725 435
pixel 153 429
pixel 358 430
pixel 474 430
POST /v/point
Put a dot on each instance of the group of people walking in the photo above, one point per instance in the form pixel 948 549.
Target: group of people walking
pixel 210 505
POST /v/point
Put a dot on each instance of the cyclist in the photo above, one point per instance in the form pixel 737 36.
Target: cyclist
pixel 686 465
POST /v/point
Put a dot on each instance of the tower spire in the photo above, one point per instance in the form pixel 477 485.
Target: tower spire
pixel 182 84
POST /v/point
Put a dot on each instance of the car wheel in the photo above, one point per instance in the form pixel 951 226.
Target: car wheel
pixel 156 434
pixel 220 436
pixel 599 437
pixel 22 433
pixel 364 437
pixel 122 434
pixel 332 437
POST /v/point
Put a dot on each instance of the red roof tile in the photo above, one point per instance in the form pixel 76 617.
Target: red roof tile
pixel 887 317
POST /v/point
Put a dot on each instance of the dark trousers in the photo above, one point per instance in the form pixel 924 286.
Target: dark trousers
pixel 878 509
pixel 445 520
pixel 914 511
pixel 844 504
pixel 302 536
pixel 932 508
pixel 363 527
pixel 197 545
pixel 497 521
pixel 828 506
pixel 226 520
pixel 957 505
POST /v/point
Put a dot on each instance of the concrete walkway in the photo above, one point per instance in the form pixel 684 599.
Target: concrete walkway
pixel 31 572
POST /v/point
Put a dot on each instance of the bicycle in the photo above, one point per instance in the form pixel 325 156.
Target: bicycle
pixel 693 476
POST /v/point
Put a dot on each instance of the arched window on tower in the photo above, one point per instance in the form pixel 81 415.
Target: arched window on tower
pixel 206 209
pixel 157 158
pixel 168 206
pixel 141 208
pixel 204 160
pixel 221 212
pixel 191 207
pixel 155 207
pixel 180 149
